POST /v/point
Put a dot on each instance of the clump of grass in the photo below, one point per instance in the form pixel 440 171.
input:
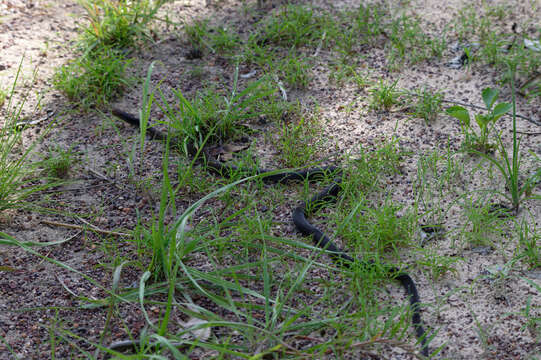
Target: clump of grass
pixel 469 25
pixel 18 170
pixel 428 104
pixel 294 27
pixel 363 26
pixel 197 33
pixel 484 226
pixel 218 40
pixel 496 47
pixel 342 72
pixel 295 71
pixel 408 42
pixel 300 141
pixel 216 113
pixel 224 40
pixel 3 96
pixel 384 96
pixel 369 22
pixel 529 240
pixel 94 78
pixel 59 162
pixel 370 167
pixel 438 265
pixel 98 74
pixel 374 230
pixel 119 23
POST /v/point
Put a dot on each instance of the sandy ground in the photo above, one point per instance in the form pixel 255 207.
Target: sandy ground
pixel 476 317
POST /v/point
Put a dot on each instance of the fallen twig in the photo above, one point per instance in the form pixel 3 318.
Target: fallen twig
pixel 87 227
pixel 526 132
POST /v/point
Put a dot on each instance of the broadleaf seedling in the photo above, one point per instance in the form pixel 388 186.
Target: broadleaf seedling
pixel 480 141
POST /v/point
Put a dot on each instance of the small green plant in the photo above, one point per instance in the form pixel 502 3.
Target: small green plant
pixel 18 172
pixel 300 141
pixel 118 23
pixel 3 96
pixel 428 104
pixel 94 79
pixel 509 165
pixel 369 22
pixel 529 244
pixel 215 113
pixel 485 122
pixel 98 74
pixel 381 228
pixel 438 265
pixel 294 27
pixel 197 33
pixel 469 25
pixel 59 162
pixel 483 226
pixel 408 42
pixel 224 40
pixel 384 96
pixel 295 71
pixel 342 73
pixel 530 312
pixel 369 168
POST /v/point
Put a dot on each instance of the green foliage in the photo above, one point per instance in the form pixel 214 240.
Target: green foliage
pixel 295 71
pixel 468 24
pixel 94 78
pixel 98 75
pixel 485 122
pixel 360 27
pixel 219 40
pixel 484 226
pixel 300 142
pixel 384 96
pixel 118 23
pixel 408 42
pixel 214 113
pixel 376 230
pixel 438 265
pixel 59 162
pixel 369 22
pixel 529 240
pixel 3 96
pixel 224 40
pixel 428 104
pixel 197 33
pixel 370 167
pixel 18 171
pixel 496 46
pixel 508 166
pixel 294 27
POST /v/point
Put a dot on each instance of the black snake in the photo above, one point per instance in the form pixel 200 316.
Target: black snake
pixel 300 213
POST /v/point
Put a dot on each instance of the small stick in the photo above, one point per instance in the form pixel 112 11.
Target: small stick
pixel 79 227
pixel 527 133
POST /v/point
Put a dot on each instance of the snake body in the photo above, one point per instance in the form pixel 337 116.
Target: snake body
pixel 299 217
